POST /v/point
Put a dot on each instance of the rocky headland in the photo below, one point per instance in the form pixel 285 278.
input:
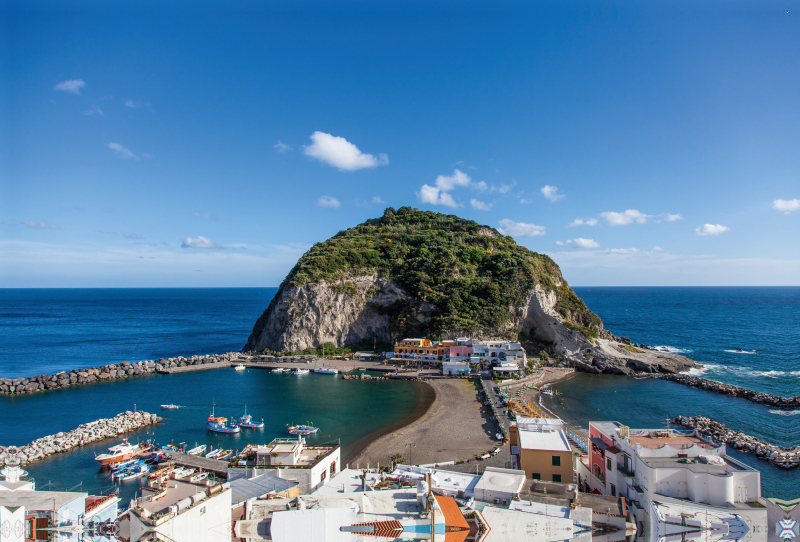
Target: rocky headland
pixel 786 458
pixel 81 436
pixel 414 273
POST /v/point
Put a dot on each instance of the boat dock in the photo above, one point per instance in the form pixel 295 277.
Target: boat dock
pixel 209 465
pixel 190 368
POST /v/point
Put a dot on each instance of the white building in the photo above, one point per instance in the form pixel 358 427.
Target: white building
pixel 455 368
pixel 26 513
pixel 664 468
pixel 183 512
pixel 293 460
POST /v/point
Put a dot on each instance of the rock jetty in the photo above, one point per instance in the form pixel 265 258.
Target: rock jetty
pixel 786 403
pixel 16 386
pixel 83 435
pixel 787 458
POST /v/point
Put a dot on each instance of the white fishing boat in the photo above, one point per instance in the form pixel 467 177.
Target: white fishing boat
pixel 278 370
pixel 224 454
pixel 299 371
pixel 213 453
pixel 199 477
pixel 327 371
pixel 170 407
pixel 197 450
pixel 239 367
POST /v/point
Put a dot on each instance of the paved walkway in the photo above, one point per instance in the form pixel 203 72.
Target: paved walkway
pixel 210 465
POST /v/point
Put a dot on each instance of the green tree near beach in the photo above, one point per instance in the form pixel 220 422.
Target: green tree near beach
pixel 396 459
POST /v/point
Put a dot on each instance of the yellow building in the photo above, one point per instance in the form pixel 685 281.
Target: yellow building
pixel 418 350
pixel 542 450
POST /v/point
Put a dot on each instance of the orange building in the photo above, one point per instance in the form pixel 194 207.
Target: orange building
pixel 418 350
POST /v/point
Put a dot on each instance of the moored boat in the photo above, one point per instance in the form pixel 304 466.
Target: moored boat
pixel 278 370
pixel 218 424
pixel 247 421
pixel 120 452
pixel 197 450
pixel 327 371
pixel 213 453
pixel 301 371
pixel 199 477
pixel 303 429
pixel 239 367
pixel 224 454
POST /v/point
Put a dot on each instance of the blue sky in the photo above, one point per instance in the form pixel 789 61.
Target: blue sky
pixel 637 143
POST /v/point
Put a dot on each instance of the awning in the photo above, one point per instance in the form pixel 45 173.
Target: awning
pixel 599 443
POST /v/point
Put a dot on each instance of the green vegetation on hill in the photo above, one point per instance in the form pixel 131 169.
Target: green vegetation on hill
pixel 463 275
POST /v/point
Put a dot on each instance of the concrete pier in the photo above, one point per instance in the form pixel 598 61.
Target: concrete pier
pixel 191 368
pixel 209 465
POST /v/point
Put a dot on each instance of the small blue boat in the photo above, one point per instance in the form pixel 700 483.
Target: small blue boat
pixel 247 421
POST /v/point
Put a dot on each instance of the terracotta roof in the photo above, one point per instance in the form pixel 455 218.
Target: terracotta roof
pixel 452 515
pixel 455 536
pixel 612 450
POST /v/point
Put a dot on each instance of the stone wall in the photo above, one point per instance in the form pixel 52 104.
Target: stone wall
pixel 63 379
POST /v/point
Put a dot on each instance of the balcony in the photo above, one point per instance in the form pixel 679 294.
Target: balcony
pixel 625 472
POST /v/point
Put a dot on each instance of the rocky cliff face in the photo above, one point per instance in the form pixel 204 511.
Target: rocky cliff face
pixel 417 273
pixel 355 309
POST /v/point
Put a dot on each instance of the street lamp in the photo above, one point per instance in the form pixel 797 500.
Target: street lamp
pixel 410 447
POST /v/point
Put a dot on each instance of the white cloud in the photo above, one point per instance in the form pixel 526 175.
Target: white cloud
pixel 121 151
pixel 657 249
pixel 133 104
pixel 520 229
pixel 619 251
pixel 673 218
pixel 480 206
pixel 199 242
pixel 579 242
pixel 438 194
pixel 551 192
pixel 378 200
pixel 340 153
pixel 582 222
pixel 711 229
pixel 129 235
pixel 328 201
pixel 503 188
pixel 281 147
pixel 433 195
pixel 73 85
pixel 447 183
pixel 94 110
pixel 206 215
pixel 626 217
pixel 41 225
pixel 480 185
pixel 786 205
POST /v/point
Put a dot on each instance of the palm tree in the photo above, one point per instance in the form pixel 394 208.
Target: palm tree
pixel 397 458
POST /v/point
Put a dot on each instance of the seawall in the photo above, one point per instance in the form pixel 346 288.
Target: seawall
pixel 64 379
pixel 786 403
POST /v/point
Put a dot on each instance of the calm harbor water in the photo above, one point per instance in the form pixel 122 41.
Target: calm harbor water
pixel 46 331
pixel 344 410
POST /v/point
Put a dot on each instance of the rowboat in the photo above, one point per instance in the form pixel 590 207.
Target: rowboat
pixel 197 450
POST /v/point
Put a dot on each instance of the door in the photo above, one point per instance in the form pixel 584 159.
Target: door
pixel 742 494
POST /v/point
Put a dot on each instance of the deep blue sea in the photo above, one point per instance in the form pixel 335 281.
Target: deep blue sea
pixel 45 331
pixel 708 325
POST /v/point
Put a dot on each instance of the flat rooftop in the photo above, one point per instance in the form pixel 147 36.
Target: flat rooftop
pixel 672 440
pixel 698 467
pixel 39 500
pixel 552 441
pixel 176 491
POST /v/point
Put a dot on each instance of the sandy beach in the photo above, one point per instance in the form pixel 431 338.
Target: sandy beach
pixel 453 428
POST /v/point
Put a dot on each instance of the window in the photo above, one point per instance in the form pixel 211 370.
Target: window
pixel 202 510
pixel 556 460
pixel 608 464
pixel 536 476
pixel 323 475
pixel 613 490
pixel 556 477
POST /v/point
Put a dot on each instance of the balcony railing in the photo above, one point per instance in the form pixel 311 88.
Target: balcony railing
pixel 625 472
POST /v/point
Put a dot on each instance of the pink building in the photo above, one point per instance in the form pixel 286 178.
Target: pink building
pixel 457 352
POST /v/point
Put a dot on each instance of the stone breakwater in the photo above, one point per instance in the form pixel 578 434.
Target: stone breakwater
pixel 787 458
pixel 63 379
pixel 786 403
pixel 83 435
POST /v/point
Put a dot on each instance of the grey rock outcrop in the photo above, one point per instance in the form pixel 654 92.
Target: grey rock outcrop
pixel 612 357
